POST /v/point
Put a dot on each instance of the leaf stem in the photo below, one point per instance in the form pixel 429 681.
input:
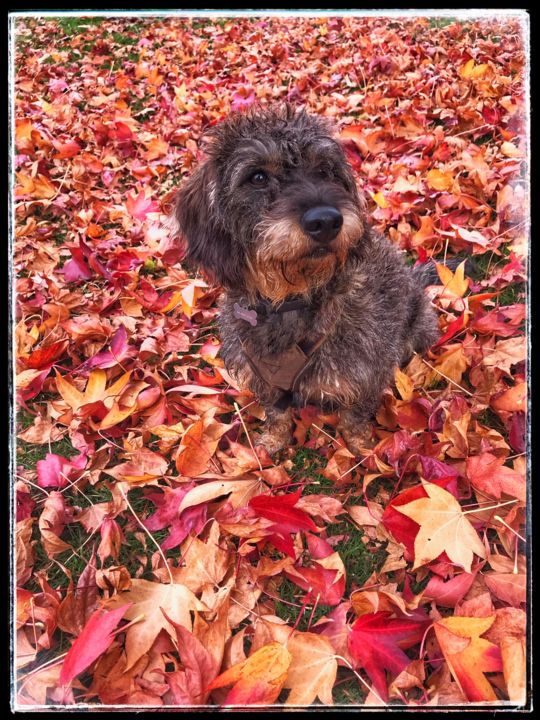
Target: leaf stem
pixel 237 410
pixel 506 525
pixel 147 532
pixel 491 507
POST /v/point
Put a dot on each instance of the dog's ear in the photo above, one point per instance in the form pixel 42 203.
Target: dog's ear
pixel 209 245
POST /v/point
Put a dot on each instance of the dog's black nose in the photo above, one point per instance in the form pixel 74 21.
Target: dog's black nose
pixel 322 223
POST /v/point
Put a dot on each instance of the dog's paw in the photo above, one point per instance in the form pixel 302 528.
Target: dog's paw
pixel 358 442
pixel 273 442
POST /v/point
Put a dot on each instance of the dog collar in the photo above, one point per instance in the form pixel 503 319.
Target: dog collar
pixel 264 309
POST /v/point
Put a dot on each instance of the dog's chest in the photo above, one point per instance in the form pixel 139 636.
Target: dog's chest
pixel 273 346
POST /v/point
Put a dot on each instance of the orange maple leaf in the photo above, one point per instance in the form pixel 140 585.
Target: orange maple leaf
pixel 468 655
pixel 259 679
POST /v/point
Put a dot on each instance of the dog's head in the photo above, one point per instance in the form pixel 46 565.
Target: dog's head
pixel 274 209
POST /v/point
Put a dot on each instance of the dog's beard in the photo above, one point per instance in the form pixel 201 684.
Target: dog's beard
pixel 287 262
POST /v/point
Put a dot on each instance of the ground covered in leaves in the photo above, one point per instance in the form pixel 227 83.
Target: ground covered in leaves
pixel 160 560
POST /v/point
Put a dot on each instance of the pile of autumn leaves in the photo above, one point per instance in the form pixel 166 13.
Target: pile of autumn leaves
pixel 116 350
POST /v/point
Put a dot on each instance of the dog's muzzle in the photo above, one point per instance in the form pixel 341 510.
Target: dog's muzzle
pixel 322 223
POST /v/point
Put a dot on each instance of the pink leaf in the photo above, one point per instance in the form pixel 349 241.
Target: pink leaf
pixel 55 470
pixel 449 593
pixel 94 639
pixel 138 206
pixel 109 358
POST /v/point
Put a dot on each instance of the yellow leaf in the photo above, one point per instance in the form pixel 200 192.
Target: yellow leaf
pixel 443 528
pixel 512 400
pixel 95 389
pixel 470 71
pixel 154 78
pixel 43 188
pixel 468 655
pixel 156 148
pixel 514 668
pixel 439 180
pixel 189 297
pixel 465 70
pixel 452 363
pixel 173 302
pixel 74 398
pixel 454 283
pixel 426 231
pixel 404 384
pixel 257 680
pixel 510 150
pixel 25 186
pixel 95 386
pixel 119 412
pixel 242 490
pixel 380 199
pixel 117 387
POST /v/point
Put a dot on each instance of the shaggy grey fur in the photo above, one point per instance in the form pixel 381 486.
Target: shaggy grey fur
pixel 369 305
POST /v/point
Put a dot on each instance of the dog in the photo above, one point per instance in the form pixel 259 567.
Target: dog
pixel 318 308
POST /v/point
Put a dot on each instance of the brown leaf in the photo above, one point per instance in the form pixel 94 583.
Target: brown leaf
pixel 148 599
pixel 51 524
pixel 203 562
pixel 509 587
pixel 79 603
pixel 24 550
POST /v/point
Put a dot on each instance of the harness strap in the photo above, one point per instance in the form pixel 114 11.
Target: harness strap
pixel 283 371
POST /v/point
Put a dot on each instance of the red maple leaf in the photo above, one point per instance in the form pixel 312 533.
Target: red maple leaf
pixel 377 641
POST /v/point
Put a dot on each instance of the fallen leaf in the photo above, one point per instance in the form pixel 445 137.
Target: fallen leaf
pixel 92 642
pixel 377 641
pixel 468 655
pixel 443 528
pixel 313 669
pixel 259 679
pixel 149 599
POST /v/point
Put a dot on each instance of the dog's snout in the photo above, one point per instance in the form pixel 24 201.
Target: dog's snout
pixel 322 223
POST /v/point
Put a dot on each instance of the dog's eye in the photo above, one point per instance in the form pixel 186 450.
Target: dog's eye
pixel 259 179
pixel 324 173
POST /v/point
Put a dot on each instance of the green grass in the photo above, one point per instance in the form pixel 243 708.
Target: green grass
pixel 441 22
pixel 514 293
pixel 75 559
pixel 417 586
pixel 307 466
pixel 358 560
pixel 93 495
pixel 121 39
pixel 75 25
pixel 132 551
pixel 483 139
pixel 348 690
pixel 489 418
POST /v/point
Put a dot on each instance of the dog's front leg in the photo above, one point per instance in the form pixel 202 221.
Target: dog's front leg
pixel 356 428
pixel 278 429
